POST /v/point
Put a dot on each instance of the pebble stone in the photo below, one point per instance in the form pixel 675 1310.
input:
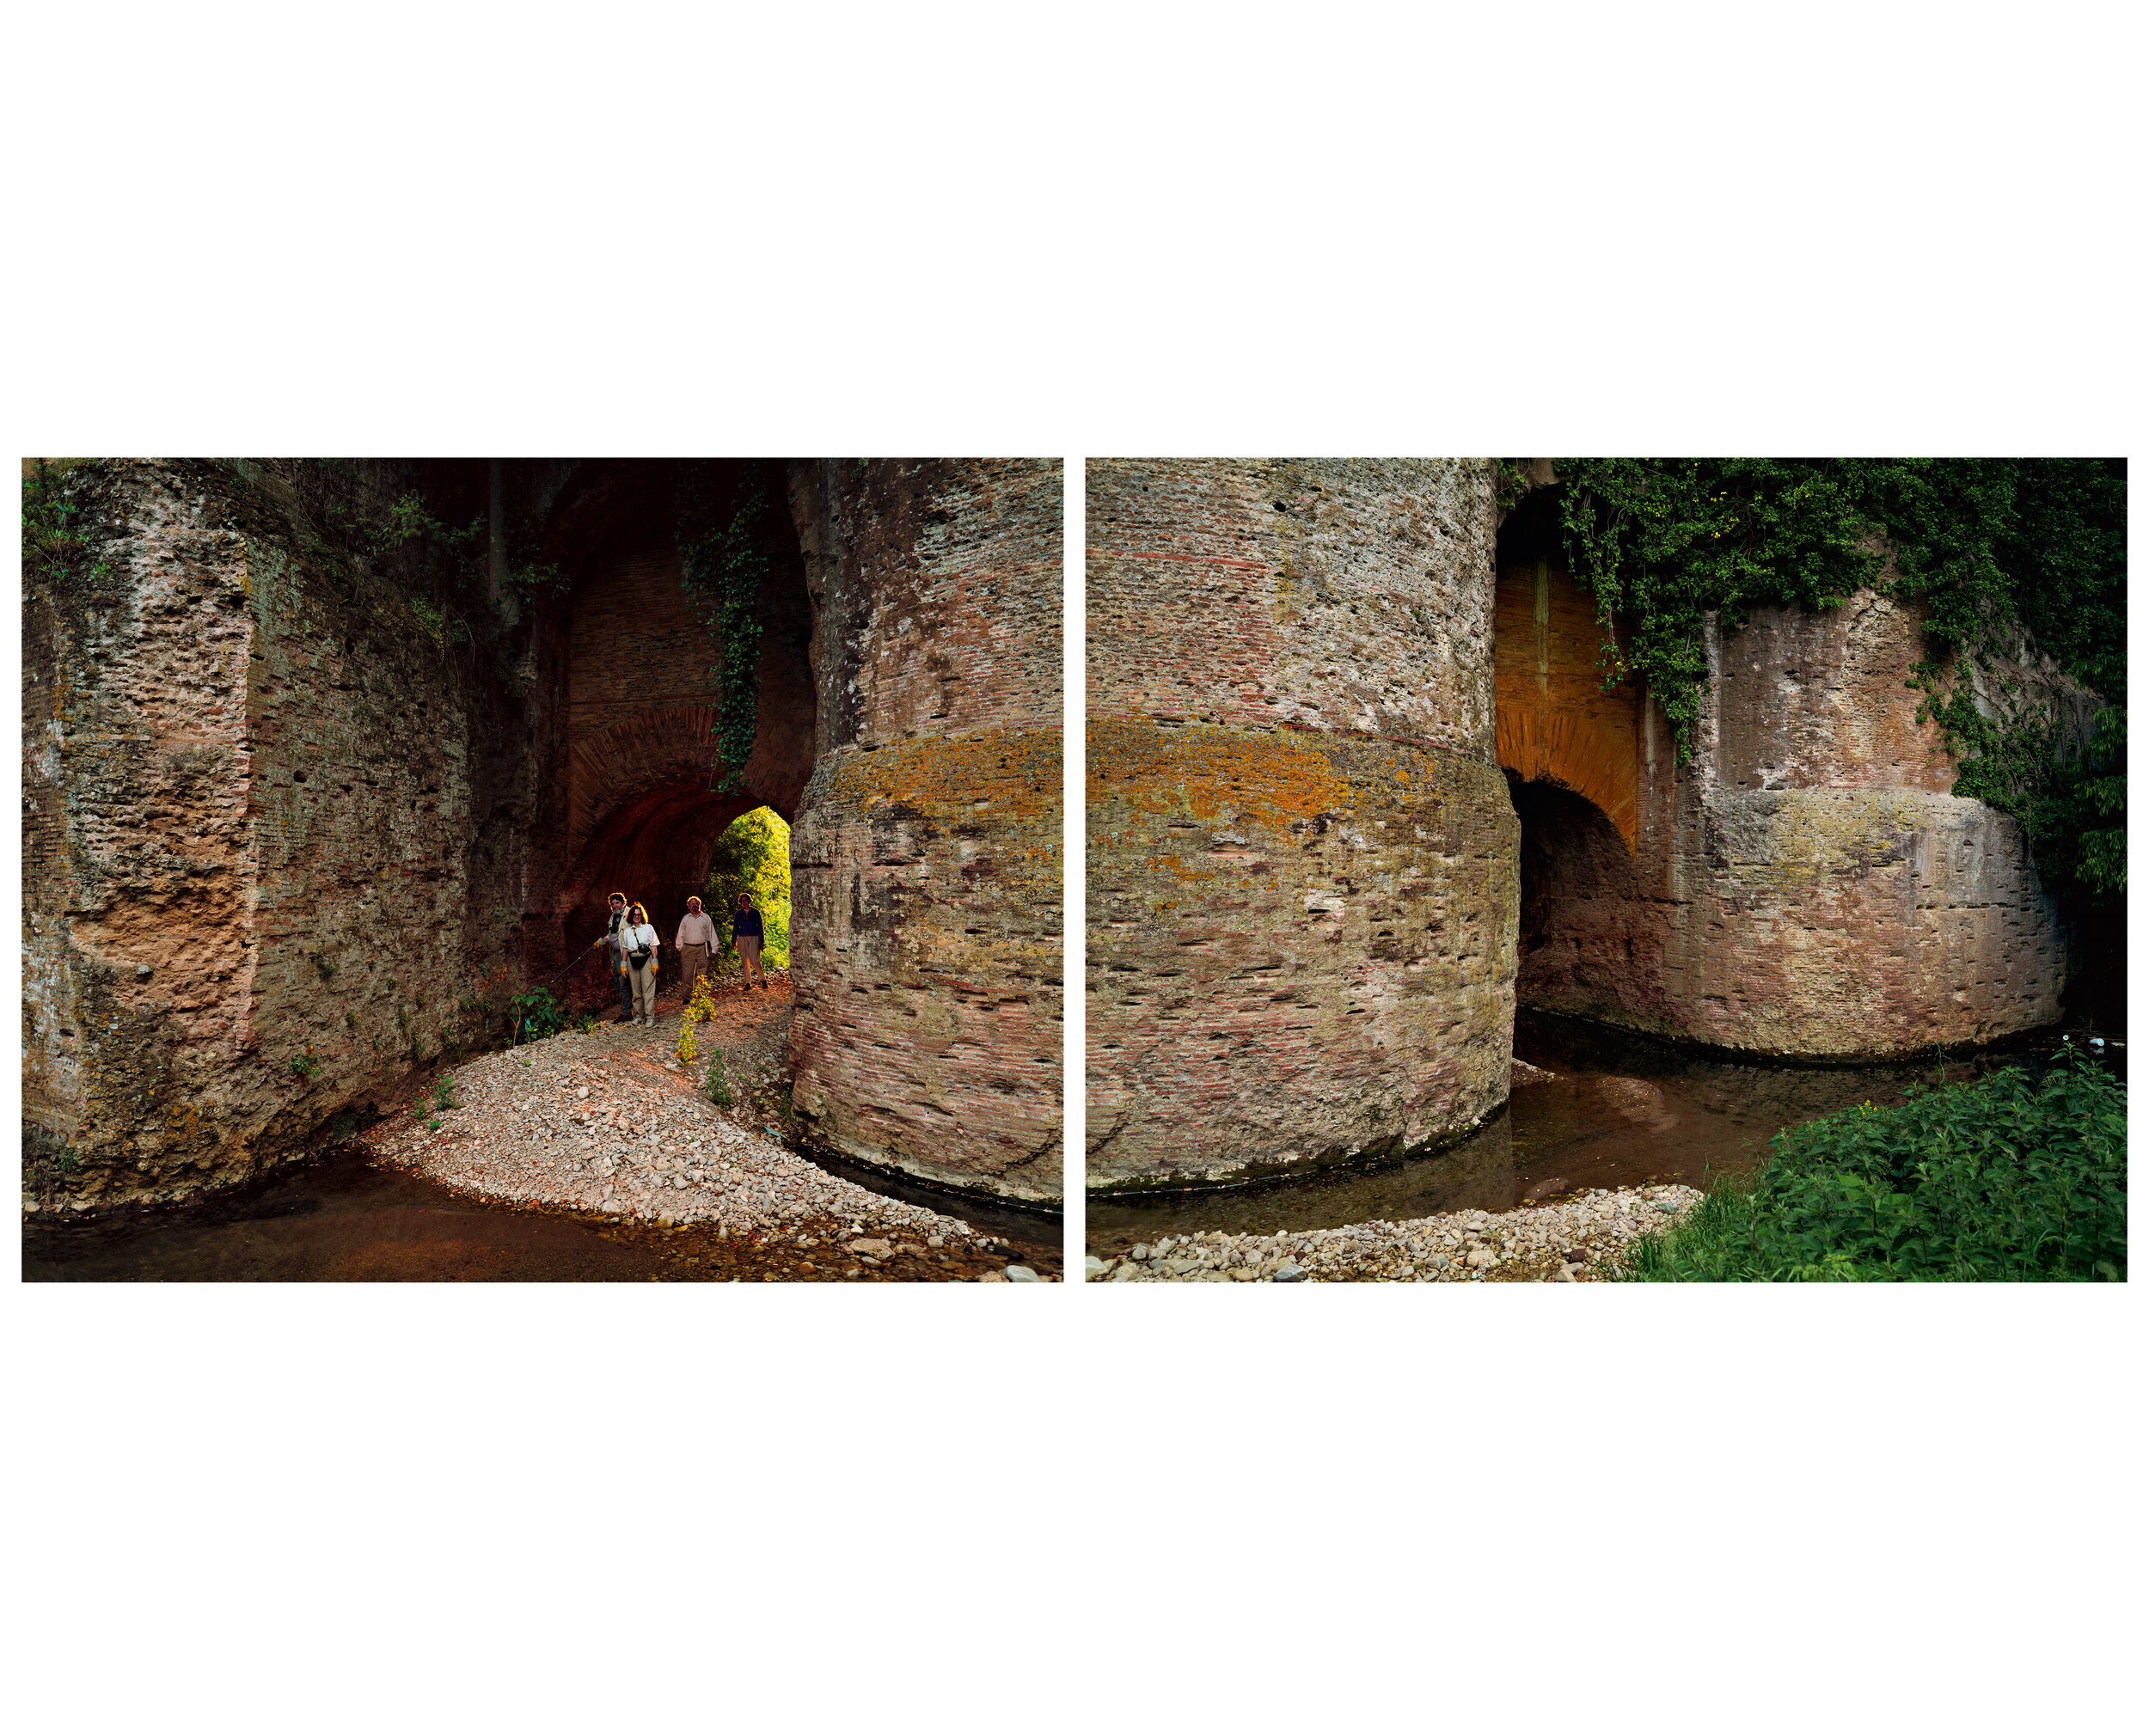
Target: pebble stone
pixel 1580 1240
pixel 600 1124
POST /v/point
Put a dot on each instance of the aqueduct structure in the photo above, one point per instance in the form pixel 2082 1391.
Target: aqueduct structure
pixel 1355 789
pixel 280 822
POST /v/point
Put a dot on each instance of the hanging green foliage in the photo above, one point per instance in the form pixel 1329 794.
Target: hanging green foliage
pixel 721 515
pixel 2005 556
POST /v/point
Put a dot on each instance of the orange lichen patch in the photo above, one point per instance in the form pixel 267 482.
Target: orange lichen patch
pixel 1205 771
pixel 1009 774
pixel 1553 721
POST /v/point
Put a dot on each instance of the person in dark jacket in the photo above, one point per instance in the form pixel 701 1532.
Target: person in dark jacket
pixel 609 941
pixel 746 936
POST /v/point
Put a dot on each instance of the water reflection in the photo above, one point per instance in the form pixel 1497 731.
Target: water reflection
pixel 1616 1110
pixel 338 1220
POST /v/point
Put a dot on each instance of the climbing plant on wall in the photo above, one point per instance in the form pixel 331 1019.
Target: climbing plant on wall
pixel 720 515
pixel 2009 559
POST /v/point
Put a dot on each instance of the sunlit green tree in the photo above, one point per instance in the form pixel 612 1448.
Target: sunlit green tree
pixel 753 856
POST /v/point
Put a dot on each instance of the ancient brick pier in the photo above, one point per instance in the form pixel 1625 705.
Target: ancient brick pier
pixel 927 864
pixel 1302 858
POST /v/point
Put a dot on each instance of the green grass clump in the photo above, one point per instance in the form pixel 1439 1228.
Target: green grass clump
pixel 2003 1179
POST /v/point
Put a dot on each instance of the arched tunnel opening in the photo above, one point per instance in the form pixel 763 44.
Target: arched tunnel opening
pixel 1570 748
pixel 1530 532
pixel 753 857
pixel 1577 892
pixel 642 794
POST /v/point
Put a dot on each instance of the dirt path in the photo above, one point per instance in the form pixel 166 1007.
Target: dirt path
pixel 610 1125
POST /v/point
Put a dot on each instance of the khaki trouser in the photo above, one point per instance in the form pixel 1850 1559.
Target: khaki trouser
pixel 693 963
pixel 643 978
pixel 749 958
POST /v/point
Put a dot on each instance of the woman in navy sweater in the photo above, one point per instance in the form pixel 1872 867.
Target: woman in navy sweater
pixel 746 936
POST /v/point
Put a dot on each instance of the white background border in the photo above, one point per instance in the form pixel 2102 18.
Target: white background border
pixel 1163 229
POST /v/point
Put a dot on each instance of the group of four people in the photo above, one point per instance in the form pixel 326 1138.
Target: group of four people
pixel 632 943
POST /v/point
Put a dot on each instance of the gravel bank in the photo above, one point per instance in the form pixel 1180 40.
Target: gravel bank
pixel 1579 1240
pixel 608 1125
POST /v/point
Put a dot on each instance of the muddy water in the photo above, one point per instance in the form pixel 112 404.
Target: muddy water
pixel 341 1220
pixel 1617 1110
pixel 337 1219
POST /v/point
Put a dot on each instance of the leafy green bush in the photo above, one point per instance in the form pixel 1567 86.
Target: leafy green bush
pixel 2005 1178
pixel 719 1085
pixel 538 1013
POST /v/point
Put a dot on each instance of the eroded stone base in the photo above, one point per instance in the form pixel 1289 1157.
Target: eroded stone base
pixel 1301 949
pixel 926 948
pixel 1817 924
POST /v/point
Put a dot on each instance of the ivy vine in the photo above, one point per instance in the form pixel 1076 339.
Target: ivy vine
pixel 720 515
pixel 2009 558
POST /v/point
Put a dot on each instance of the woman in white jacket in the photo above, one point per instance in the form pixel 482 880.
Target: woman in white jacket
pixel 638 940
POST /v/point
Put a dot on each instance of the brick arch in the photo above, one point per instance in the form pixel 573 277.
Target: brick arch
pixel 642 797
pixel 645 818
pixel 612 771
pixel 1553 722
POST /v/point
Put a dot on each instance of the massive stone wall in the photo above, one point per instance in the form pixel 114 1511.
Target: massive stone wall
pixel 1301 857
pixel 1803 887
pixel 926 860
pixel 276 833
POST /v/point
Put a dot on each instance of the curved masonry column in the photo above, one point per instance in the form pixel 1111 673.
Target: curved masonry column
pixel 1302 880
pixel 926 861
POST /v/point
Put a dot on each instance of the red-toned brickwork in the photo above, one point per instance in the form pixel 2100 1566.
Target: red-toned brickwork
pixel 1556 722
pixel 638 789
pixel 277 837
pixel 926 954
pixel 1301 881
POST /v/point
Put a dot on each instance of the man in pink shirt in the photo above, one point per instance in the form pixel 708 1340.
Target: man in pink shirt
pixel 696 941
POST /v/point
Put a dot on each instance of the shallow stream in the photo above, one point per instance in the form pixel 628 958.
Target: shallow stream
pixel 341 1220
pixel 1618 1110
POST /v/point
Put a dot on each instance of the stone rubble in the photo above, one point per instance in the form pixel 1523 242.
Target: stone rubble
pixel 608 1125
pixel 1579 1240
